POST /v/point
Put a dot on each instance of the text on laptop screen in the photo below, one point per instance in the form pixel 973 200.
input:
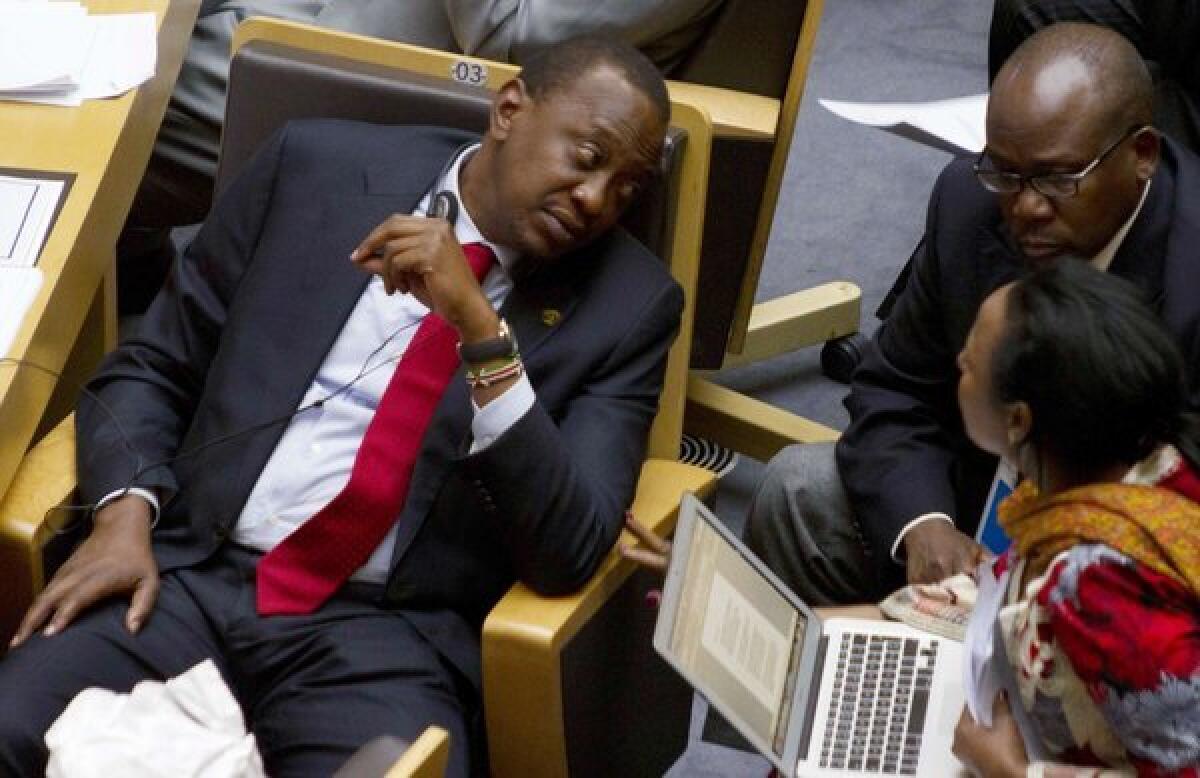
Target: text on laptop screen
pixel 736 630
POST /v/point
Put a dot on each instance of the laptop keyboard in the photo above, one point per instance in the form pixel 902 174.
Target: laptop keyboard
pixel 877 709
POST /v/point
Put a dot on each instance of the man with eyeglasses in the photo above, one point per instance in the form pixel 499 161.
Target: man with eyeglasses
pixel 1072 170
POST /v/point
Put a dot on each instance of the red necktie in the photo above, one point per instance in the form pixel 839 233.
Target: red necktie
pixel 301 573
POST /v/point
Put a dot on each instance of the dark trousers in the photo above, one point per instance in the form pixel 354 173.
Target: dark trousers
pixel 800 523
pixel 1165 33
pixel 312 688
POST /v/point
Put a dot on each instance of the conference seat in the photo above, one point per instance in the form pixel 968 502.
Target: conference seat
pixel 749 72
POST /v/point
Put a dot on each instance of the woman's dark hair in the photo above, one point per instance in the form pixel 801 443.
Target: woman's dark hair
pixel 1104 379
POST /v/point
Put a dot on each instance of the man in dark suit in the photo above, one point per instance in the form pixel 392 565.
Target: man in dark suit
pixel 240 443
pixel 1072 171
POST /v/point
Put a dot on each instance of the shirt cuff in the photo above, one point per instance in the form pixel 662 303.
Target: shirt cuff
pixel 493 420
pixel 145 494
pixel 924 517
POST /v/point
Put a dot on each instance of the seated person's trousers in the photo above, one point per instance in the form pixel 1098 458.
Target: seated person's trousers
pixel 800 523
pixel 313 688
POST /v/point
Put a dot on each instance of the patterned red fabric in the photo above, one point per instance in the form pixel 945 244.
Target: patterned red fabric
pixel 1108 661
pixel 301 573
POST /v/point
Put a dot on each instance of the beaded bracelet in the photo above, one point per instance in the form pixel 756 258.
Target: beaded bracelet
pixel 483 377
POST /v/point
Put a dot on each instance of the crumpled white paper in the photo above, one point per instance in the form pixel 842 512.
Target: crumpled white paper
pixel 188 727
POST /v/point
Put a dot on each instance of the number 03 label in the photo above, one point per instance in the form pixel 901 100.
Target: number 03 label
pixel 466 72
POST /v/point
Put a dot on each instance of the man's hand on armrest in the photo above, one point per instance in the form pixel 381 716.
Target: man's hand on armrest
pixel 115 559
pixel 936 550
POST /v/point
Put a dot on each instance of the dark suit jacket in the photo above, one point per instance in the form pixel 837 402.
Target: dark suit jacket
pixel 905 452
pixel 249 315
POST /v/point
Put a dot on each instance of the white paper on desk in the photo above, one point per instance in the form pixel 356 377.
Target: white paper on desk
pixel 27 207
pixel 116 53
pixel 43 46
pixel 18 288
pixel 955 125
pixel 123 54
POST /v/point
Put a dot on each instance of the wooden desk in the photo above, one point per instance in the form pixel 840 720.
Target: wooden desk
pixel 106 144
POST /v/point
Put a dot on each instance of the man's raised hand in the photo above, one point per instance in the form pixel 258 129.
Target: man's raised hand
pixel 420 256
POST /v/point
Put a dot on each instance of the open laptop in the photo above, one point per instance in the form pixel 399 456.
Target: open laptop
pixel 841 697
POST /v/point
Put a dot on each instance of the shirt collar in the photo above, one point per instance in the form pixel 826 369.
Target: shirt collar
pixel 1103 259
pixel 464 227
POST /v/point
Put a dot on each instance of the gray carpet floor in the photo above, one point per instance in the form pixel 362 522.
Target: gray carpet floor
pixel 852 208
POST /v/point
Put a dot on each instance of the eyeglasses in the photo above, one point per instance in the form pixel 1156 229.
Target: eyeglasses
pixel 1049 184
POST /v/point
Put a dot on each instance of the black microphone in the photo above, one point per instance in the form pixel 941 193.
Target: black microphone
pixel 444 206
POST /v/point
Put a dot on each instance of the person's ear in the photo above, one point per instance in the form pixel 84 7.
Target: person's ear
pixel 1148 146
pixel 512 98
pixel 1018 424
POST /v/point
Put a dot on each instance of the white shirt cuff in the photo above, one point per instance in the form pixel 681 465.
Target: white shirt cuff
pixel 924 517
pixel 493 420
pixel 145 494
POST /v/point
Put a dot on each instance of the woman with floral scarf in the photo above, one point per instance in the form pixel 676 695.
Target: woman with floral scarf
pixel 1069 376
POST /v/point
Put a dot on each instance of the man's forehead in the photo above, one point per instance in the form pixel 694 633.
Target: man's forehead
pixel 618 115
pixel 1052 113
pixel 1061 91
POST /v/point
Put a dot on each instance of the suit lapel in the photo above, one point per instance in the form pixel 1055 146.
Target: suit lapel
pixel 534 309
pixel 330 277
pixel 1142 254
pixel 318 299
pixel 329 274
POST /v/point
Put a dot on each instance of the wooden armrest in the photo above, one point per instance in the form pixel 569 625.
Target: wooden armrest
pixel 524 636
pixel 797 320
pixel 745 424
pixel 734 114
pixel 425 758
pixel 44 480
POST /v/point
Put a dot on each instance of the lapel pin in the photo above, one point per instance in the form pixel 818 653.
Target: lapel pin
pixel 551 316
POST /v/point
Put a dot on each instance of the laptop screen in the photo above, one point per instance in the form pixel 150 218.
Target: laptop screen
pixel 737 632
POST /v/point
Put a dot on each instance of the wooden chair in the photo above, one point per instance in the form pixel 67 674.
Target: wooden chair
pixel 749 72
pixel 425 758
pixel 390 757
pixel 571 684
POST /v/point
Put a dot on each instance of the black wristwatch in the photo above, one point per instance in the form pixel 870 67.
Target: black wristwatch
pixel 504 345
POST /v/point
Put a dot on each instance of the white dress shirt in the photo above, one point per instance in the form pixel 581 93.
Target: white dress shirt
pixel 313 459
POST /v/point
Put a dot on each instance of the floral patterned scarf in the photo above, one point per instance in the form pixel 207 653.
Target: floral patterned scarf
pixel 1154 525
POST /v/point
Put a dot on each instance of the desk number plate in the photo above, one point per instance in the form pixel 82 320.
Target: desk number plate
pixel 467 72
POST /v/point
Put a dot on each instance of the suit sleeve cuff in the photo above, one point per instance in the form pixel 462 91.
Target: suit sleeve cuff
pixel 145 494
pixel 896 557
pixel 493 420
